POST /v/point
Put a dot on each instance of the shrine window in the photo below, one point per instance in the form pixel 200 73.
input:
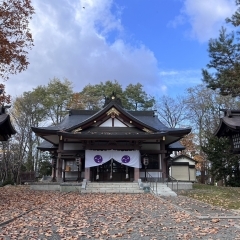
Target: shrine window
pixel 236 140
pixel 153 162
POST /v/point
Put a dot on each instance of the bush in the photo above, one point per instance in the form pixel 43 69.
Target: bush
pixel 8 182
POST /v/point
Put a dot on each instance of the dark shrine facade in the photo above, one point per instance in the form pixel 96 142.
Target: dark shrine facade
pixel 229 126
pixel 112 144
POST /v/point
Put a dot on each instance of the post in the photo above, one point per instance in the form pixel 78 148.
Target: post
pixel 136 174
pixel 54 163
pixel 64 168
pixel 87 174
pixel 145 162
pixel 145 173
pixel 78 162
pixel 78 178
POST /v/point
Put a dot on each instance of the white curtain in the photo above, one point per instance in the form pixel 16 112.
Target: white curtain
pixel 129 158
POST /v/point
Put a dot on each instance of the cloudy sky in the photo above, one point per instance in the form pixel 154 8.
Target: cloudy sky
pixel 160 43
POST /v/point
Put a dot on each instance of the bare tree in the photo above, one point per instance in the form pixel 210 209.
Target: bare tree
pixel 28 112
pixel 172 112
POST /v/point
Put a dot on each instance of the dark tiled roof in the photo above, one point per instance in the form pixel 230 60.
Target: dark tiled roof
pixel 177 146
pixel 45 145
pixel 231 120
pixel 76 117
pixel 79 118
pixel 183 156
pixel 70 121
pixel 151 120
pixel 6 128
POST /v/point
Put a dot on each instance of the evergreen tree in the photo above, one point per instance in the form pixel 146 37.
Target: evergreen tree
pixel 223 70
pixel 224 163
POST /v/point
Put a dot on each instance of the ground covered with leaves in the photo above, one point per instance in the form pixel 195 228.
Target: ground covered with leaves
pixel 55 215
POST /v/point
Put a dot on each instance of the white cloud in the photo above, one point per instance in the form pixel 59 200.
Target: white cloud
pixel 168 73
pixel 175 82
pixel 164 89
pixel 184 77
pixel 205 17
pixel 84 42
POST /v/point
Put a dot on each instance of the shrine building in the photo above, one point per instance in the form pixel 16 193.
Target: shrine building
pixel 112 144
pixel 229 126
pixel 6 127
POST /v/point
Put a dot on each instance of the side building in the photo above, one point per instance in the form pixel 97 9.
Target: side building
pixel 112 144
pixel 229 126
pixel 6 127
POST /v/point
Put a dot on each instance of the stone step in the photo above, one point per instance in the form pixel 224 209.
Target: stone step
pixel 113 188
pixel 111 184
pixel 162 189
pixel 89 186
pixel 117 187
pixel 110 191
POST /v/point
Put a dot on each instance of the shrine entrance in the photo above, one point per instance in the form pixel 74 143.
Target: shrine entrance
pixel 112 171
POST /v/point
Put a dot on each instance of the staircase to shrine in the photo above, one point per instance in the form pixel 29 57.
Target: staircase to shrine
pixel 113 187
pixel 163 190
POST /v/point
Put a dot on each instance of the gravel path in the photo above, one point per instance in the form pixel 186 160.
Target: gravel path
pixel 108 216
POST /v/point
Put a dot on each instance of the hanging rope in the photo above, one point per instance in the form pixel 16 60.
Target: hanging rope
pixel 97 176
pixel 111 168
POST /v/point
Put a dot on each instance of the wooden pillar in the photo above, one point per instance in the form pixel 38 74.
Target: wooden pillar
pixel 163 159
pixel 59 160
pixel 64 170
pixel 87 174
pixel 160 174
pixel 136 174
pixel 53 170
pixel 54 165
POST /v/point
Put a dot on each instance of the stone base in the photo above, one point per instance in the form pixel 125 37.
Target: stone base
pixel 54 186
pixel 146 187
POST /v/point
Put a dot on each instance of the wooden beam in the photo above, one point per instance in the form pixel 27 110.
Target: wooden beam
pixel 115 147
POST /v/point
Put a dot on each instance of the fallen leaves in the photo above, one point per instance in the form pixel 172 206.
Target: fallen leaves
pixel 100 216
pixel 215 220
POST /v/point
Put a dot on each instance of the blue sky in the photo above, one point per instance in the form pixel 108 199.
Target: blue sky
pixel 160 43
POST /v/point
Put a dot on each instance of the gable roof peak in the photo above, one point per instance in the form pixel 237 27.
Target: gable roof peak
pixel 113 98
pixel 230 112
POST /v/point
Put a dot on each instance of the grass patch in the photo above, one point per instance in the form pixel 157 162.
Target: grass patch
pixel 225 197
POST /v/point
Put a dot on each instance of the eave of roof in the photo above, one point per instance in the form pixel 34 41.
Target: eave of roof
pixel 113 135
pixel 44 130
pixel 47 146
pixel 176 146
pixel 232 123
pixel 178 131
pixel 6 127
pixel 183 156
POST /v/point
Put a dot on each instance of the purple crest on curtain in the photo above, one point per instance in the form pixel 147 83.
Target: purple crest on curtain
pixel 125 159
pixel 98 159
